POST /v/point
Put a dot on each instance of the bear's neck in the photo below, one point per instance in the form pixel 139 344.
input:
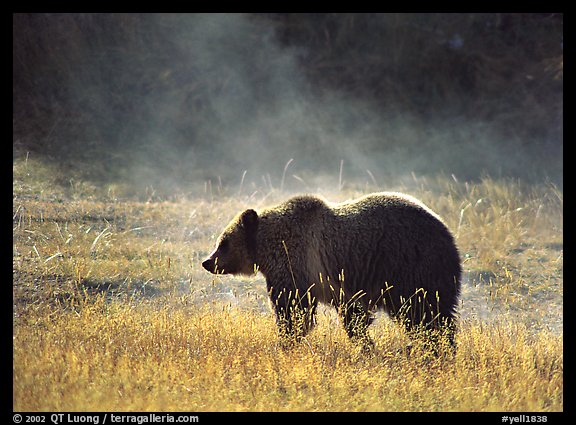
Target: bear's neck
pixel 259 260
pixel 252 247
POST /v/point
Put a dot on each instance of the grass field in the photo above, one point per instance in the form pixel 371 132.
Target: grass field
pixel 112 310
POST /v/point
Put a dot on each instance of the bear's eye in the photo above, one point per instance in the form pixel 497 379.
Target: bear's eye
pixel 224 245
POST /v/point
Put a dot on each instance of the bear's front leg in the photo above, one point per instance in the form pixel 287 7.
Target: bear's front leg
pixel 295 311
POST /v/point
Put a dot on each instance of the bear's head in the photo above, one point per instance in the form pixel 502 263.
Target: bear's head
pixel 235 251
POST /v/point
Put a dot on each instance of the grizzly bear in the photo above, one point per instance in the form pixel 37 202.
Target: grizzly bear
pixel 383 251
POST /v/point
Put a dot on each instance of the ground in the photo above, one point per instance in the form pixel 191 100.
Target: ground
pixel 113 311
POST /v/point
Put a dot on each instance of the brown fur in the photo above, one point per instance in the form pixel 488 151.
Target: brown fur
pixel 383 251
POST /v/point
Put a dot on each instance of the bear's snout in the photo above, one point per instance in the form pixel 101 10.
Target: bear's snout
pixel 208 264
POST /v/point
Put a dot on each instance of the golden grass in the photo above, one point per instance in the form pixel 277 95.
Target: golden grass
pixel 159 357
pixel 112 310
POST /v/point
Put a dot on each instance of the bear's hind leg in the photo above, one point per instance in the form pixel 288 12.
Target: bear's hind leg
pixel 356 318
pixel 436 335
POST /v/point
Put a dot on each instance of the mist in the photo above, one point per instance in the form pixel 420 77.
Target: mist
pixel 176 100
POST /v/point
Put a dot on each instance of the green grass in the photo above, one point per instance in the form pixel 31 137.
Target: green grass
pixel 112 310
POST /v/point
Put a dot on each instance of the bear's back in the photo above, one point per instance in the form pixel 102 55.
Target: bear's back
pixel 386 209
pixel 372 211
pixel 301 207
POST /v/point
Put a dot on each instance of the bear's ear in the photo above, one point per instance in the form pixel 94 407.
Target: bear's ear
pixel 249 219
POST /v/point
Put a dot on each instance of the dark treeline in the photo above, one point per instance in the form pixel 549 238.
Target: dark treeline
pixel 196 96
